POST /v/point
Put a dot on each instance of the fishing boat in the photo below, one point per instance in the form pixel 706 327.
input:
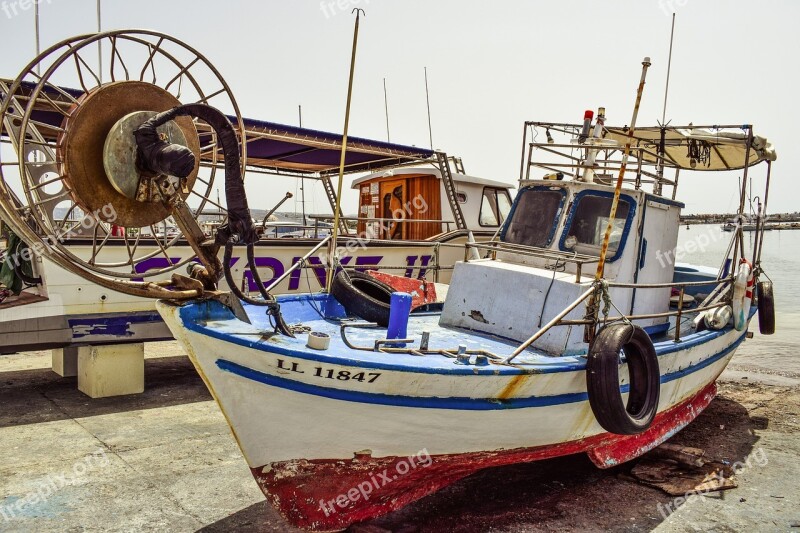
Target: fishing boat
pixel 732 225
pixel 520 364
pixel 556 337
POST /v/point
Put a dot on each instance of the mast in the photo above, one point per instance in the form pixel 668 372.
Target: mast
pixel 337 210
pixel 302 178
pixel 36 30
pixel 615 202
pixel 657 187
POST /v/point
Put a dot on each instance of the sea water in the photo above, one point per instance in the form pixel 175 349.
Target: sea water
pixel 705 244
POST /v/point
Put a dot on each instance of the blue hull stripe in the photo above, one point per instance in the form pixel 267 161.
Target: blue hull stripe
pixel 466 404
pixel 190 315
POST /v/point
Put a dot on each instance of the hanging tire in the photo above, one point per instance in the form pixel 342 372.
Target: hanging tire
pixel 602 379
pixel 766 308
pixel 362 295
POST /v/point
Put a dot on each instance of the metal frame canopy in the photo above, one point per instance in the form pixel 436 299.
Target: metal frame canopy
pixel 565 148
pixel 290 149
pixel 723 147
pixel 275 148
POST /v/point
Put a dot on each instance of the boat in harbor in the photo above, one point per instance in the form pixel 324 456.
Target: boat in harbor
pixel 501 374
pixel 554 337
pixel 732 225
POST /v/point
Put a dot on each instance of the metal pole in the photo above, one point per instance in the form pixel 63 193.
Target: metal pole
pixel 334 234
pixel 99 46
pixel 428 101
pixel 659 183
pixel 277 206
pixel 669 66
pixel 522 157
pixel 615 202
pixel 297 265
pixel 302 178
pixel 739 250
pixel 36 28
pixel 386 109
pixel 766 197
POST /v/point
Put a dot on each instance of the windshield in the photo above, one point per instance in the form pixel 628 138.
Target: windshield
pixel 534 217
pixel 590 219
pixel 495 205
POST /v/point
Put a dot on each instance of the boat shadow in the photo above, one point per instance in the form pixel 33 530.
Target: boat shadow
pixel 40 395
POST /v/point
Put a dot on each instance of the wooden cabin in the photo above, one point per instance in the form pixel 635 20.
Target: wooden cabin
pixel 411 204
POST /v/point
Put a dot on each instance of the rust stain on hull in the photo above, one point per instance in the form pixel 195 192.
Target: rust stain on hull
pixel 513 387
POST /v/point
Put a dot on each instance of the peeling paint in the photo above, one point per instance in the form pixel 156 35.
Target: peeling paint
pixel 477 316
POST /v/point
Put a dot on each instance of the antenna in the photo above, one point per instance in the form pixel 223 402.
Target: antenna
pixel 386 109
pixel 669 66
pixel 36 26
pixel 428 100
pixel 659 183
pixel 302 178
pixel 99 46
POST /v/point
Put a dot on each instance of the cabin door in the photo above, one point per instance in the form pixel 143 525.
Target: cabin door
pixel 392 208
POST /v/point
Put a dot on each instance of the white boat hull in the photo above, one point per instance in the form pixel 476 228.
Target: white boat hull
pixel 296 423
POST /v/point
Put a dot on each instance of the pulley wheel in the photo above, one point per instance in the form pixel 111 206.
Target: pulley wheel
pixel 81 149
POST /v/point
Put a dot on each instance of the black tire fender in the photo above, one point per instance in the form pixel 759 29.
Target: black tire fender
pixel 766 308
pixel 602 379
pixel 362 295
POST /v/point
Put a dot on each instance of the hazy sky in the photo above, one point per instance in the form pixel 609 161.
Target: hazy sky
pixel 491 65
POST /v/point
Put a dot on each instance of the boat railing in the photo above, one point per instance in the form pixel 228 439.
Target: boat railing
pixel 360 219
pixel 597 290
pixel 594 289
pixel 531 251
pixel 297 264
pixel 271 231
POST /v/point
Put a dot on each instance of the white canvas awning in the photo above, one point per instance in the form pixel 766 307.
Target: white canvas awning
pixel 722 149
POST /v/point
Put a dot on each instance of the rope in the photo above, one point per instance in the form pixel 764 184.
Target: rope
pixel 558 266
pixel 602 294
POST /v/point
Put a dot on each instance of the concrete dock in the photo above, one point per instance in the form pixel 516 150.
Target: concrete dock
pixel 166 460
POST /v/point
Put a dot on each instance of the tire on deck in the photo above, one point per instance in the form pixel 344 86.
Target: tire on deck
pixel 362 295
pixel 602 379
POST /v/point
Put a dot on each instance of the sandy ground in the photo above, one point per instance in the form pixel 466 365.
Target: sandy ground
pixel 165 460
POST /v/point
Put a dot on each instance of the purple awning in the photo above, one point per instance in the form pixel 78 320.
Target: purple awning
pixel 277 147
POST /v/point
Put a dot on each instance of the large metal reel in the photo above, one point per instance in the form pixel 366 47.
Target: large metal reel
pixel 59 177
pixel 89 140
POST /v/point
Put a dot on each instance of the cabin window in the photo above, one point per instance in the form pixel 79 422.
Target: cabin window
pixel 534 217
pixel 495 206
pixel 589 220
pixel 462 197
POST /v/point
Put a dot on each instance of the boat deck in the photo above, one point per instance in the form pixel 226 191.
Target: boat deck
pixel 322 314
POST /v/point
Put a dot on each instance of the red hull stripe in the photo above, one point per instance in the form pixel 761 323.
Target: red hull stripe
pixel 331 494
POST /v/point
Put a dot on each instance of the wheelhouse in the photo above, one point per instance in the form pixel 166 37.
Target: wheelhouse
pixel 411 203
